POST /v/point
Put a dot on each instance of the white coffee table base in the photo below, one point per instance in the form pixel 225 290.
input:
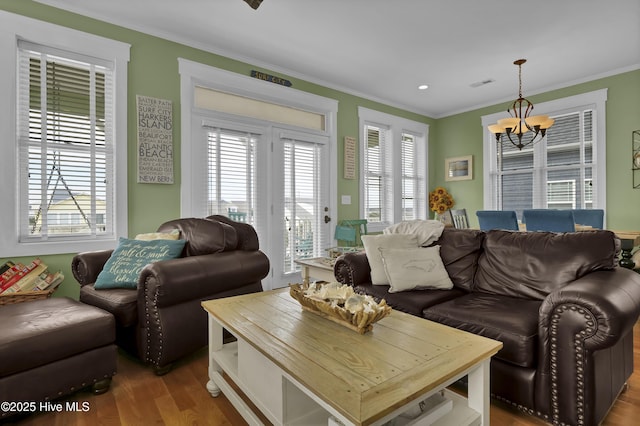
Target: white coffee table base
pixel 282 400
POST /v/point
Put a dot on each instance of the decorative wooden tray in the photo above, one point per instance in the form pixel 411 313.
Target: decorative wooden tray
pixel 333 309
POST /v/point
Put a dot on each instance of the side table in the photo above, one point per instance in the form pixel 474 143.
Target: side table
pixel 318 268
pixel 628 240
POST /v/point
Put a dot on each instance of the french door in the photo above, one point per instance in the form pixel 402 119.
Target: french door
pixel 301 217
pixel 277 180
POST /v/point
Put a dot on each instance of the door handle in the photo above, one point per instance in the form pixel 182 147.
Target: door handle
pixel 327 219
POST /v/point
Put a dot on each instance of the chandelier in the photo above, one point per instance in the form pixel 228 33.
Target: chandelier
pixel 520 123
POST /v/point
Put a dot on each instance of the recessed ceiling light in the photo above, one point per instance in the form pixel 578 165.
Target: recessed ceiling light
pixel 423 87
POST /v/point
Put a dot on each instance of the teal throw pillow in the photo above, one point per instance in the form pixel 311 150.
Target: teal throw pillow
pixel 131 256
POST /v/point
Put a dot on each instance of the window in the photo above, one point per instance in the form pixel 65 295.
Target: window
pixel 566 170
pixel 71 175
pixel 63 147
pixel 393 169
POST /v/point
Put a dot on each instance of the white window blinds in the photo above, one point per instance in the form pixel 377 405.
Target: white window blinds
pixel 232 174
pixel 378 184
pixel 65 120
pixel 413 179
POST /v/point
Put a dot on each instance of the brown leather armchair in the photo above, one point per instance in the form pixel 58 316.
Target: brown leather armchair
pixel 162 320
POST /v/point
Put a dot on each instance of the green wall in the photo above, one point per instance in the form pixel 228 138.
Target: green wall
pixel 153 71
pixel 462 135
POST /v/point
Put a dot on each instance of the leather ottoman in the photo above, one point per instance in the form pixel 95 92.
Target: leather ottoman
pixel 51 348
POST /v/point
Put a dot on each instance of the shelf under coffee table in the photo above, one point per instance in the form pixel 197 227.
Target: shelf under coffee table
pixel 301 369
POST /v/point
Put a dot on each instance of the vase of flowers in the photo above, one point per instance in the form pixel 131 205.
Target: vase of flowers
pixel 440 201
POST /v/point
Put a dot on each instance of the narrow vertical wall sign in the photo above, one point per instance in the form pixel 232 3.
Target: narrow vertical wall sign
pixel 155 140
pixel 349 157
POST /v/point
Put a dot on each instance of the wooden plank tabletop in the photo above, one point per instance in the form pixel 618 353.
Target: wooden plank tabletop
pixel 364 377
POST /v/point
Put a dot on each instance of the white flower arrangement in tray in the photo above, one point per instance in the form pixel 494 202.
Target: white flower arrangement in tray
pixel 340 304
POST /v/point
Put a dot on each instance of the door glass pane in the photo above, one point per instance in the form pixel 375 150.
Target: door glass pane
pixel 231 186
pixel 302 209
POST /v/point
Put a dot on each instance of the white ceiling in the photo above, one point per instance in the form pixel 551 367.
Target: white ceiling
pixel 383 49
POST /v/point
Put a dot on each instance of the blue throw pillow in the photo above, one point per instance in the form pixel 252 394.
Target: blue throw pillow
pixel 131 256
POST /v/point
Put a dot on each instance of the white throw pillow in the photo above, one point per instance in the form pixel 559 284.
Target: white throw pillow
pixel 415 269
pixel 372 245
pixel 427 231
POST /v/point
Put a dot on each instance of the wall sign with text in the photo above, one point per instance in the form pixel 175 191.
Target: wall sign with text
pixel 270 78
pixel 155 140
pixel 349 157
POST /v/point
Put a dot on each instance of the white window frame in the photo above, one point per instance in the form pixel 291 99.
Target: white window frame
pixel 12 28
pixel 596 100
pixel 396 127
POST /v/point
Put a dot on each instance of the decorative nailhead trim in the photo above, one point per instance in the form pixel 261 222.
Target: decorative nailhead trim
pixel 520 407
pixel 578 342
pixel 152 319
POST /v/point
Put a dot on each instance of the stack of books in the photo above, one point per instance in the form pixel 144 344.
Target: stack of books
pixel 16 277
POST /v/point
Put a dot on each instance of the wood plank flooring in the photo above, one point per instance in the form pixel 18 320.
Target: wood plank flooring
pixel 138 397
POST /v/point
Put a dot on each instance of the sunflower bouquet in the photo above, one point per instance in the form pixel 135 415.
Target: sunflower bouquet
pixel 440 200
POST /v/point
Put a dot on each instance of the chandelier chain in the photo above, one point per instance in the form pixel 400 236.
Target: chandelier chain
pixel 520 80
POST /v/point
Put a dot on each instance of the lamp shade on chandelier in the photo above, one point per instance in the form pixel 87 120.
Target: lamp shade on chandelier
pixel 521 128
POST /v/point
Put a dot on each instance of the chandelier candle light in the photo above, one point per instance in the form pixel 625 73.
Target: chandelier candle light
pixel 520 122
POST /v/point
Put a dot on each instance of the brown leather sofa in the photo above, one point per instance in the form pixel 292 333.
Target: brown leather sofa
pixel 162 320
pixel 559 303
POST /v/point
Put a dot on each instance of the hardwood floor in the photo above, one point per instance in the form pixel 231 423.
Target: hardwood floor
pixel 138 397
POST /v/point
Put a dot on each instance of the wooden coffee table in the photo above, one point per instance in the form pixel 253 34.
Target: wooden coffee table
pixel 298 368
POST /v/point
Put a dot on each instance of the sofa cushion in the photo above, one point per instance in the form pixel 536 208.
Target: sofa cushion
pixel 204 236
pixel 512 321
pixel 417 268
pixel 412 301
pixel 127 260
pixel 121 302
pixel 459 251
pixel 373 244
pixel 531 265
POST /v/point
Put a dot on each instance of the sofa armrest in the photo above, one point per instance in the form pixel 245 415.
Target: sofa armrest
pixel 582 331
pixel 174 281
pixel 602 306
pixel 86 266
pixel 352 269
